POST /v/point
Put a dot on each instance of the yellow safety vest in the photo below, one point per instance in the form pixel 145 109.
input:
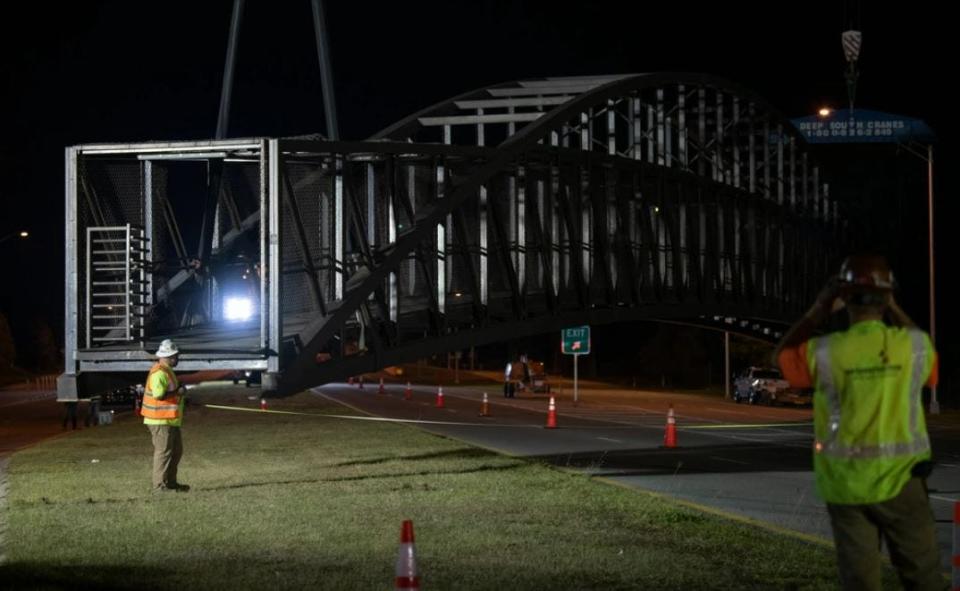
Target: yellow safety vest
pixel 868 417
pixel 166 406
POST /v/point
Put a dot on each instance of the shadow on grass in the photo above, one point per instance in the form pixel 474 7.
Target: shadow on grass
pixel 478 469
pixel 474 470
pixel 36 576
pixel 716 459
pixel 244 574
pixel 460 453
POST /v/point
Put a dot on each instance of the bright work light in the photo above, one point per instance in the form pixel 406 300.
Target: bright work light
pixel 237 309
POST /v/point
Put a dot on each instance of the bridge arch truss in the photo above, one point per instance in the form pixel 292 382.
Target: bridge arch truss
pixel 507 211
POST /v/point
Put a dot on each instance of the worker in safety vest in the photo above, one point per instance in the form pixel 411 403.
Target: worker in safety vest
pixel 871 448
pixel 162 410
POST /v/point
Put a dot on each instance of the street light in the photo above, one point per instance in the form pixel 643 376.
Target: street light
pixel 21 234
pixel 928 158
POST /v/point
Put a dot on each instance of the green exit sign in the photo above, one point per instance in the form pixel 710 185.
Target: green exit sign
pixel 575 341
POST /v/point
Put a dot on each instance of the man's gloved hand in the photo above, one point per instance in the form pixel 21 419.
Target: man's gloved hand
pixel 187 401
pixel 829 300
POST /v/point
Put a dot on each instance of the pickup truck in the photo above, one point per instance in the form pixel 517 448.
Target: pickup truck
pixel 761 385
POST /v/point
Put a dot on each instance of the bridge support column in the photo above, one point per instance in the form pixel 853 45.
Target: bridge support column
pixel 67 387
pixel 270 382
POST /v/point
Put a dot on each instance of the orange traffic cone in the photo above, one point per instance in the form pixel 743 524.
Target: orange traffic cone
pixel 380 390
pixel 263 404
pixel 439 397
pixel 484 407
pixel 407 392
pixel 552 414
pixel 406 560
pixel 670 435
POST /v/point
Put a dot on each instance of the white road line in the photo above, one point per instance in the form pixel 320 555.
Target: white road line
pixel 944 499
pixel 608 439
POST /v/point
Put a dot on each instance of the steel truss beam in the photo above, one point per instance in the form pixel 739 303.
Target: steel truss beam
pixel 669 226
pixel 671 197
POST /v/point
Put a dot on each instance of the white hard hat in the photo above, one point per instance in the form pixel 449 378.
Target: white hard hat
pixel 167 349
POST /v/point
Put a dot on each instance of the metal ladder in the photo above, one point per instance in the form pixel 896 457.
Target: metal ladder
pixel 118 284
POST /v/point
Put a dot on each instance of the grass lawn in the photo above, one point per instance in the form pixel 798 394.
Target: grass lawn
pixel 294 502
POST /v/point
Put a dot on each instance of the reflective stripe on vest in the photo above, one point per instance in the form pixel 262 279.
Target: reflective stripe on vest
pixel 167 407
pixel 919 442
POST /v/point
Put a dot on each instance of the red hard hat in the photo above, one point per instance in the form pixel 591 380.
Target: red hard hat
pixel 867 272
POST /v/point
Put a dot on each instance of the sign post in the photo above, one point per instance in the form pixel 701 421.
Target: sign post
pixel 575 341
pixel 456 367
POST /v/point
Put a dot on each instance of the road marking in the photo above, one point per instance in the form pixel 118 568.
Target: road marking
pixel 370 417
pixel 746 426
pixel 608 439
pixel 944 499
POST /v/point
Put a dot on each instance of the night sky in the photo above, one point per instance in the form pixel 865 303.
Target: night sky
pixel 116 71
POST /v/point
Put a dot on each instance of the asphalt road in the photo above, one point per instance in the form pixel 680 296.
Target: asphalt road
pixel 28 416
pixel 746 462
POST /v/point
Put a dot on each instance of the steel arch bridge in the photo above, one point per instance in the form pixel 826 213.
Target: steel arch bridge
pixel 507 211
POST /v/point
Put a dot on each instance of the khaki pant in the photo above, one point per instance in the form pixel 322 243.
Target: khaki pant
pixel 167 449
pixel 906 523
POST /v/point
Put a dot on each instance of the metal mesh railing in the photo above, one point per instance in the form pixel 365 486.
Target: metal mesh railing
pixel 116 286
